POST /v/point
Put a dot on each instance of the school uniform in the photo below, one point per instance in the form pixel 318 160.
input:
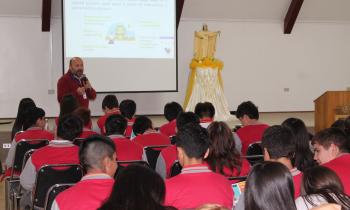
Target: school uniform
pixel 88 194
pixel 125 149
pixel 198 185
pixel 340 166
pixel 165 160
pixel 151 138
pixel 86 133
pixel 205 122
pixel 169 129
pixel 128 130
pixel 250 134
pixel 102 120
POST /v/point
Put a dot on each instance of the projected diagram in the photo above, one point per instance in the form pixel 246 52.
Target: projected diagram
pixel 120 32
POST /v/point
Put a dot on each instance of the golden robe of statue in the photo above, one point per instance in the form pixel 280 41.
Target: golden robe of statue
pixel 205 43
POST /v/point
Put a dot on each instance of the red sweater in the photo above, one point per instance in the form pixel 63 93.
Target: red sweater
pixel 68 84
pixel 102 120
pixel 152 139
pixel 340 166
pixel 169 128
pixel 126 150
pixel 250 134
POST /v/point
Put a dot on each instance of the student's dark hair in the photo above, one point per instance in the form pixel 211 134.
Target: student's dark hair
pixel 205 109
pixel 269 186
pixel 279 142
pixel 110 102
pixel 343 124
pixel 93 150
pixel 69 127
pixel 24 104
pixel 303 155
pixel 330 136
pixel 171 110
pixel 222 149
pixel 68 104
pixel 84 114
pixel 324 182
pixel 128 108
pixel 249 109
pixel 141 124
pixel 184 118
pixel 116 124
pixel 194 140
pixel 31 116
pixel 137 187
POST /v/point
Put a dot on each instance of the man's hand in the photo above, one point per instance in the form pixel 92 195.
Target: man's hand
pixel 87 84
pixel 81 90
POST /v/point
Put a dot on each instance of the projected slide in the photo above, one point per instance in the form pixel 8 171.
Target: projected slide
pixel 120 28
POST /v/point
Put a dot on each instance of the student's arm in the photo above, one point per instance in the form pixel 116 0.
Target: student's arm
pixel 11 154
pixel 28 175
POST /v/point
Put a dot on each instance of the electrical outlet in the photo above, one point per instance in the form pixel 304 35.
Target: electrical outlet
pixel 286 90
pixel 6 146
pixel 51 92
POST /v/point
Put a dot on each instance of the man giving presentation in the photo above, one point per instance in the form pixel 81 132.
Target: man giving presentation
pixel 76 83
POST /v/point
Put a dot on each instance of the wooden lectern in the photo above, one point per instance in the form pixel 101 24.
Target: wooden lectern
pixel 325 107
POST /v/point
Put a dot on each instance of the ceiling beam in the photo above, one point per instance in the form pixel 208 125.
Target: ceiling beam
pixel 179 8
pixel 46 15
pixel 292 15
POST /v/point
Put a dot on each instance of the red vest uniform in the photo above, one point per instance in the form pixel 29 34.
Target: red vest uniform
pixel 102 120
pixel 198 185
pixel 86 133
pixel 250 134
pixel 297 176
pixel 126 150
pixel 68 84
pixel 152 138
pixel 88 194
pixel 168 129
pixel 128 130
pixel 340 166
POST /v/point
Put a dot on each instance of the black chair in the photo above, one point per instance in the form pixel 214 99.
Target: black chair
pixel 78 141
pixel 26 157
pixel 237 178
pixel 175 169
pixel 254 153
pixel 173 140
pixel 12 182
pixel 123 164
pixel 49 175
pixel 152 154
pixel 53 192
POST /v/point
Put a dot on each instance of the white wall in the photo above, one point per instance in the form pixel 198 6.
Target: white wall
pixel 260 61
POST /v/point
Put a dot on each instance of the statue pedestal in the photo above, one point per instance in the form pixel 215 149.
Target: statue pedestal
pixel 205 85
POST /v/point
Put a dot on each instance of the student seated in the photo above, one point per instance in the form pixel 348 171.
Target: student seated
pixel 85 116
pixel 205 112
pixel 146 135
pixel 128 110
pixel 321 185
pixel 137 188
pixel 252 129
pixel 223 156
pixel 303 155
pixel 110 106
pixel 168 155
pixel 23 106
pixel 269 186
pixel 67 106
pixel 60 151
pixel 33 124
pixel 126 149
pixel 97 156
pixel 197 184
pixel 171 110
pixel 330 147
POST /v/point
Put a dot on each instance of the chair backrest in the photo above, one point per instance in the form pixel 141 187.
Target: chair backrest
pixel 49 175
pixel 54 191
pixel 175 169
pixel 78 141
pixel 255 153
pixel 21 148
pixel 123 164
pixel 26 157
pixel 152 154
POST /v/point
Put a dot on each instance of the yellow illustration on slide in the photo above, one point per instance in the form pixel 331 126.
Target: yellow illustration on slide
pixel 119 32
